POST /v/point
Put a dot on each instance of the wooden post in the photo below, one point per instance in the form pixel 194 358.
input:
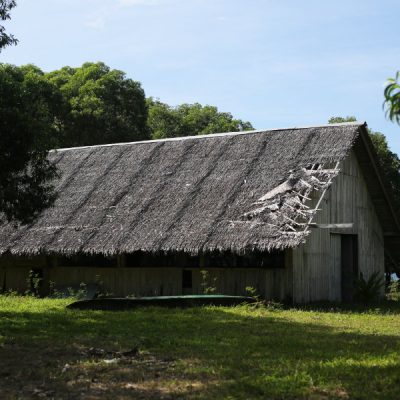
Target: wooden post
pixel 121 261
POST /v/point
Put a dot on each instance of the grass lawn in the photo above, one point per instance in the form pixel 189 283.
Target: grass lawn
pixel 47 351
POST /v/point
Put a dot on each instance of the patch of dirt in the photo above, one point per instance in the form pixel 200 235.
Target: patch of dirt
pixel 89 373
pixel 324 394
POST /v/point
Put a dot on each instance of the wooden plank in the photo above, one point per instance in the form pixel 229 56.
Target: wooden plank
pixel 332 226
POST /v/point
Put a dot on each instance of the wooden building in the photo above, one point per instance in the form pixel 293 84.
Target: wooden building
pixel 296 214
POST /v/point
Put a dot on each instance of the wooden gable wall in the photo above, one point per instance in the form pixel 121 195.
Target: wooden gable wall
pixel 317 263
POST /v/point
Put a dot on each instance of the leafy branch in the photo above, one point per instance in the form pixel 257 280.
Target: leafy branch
pixel 392 98
pixel 5 8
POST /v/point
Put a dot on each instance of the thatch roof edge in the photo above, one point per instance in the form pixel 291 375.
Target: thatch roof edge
pixel 209 136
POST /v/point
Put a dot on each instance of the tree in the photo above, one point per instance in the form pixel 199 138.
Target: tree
pixel 389 161
pixel 26 125
pixel 190 120
pixel 340 120
pixel 100 106
pixel 392 98
pixel 5 8
pixel 28 105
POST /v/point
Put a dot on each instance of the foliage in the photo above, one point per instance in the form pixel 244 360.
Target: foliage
pixel 190 120
pixel 252 292
pixel 197 353
pixel 101 106
pixel 340 120
pixel 390 163
pixel 368 290
pixel 209 285
pixel 33 284
pixel 270 305
pixel 393 292
pixel 28 105
pixel 392 98
pixel 5 8
pixel 68 292
pixel 26 123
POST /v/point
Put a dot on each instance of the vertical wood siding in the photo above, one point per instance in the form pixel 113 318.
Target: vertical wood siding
pixel 120 280
pixel 316 264
pixel 124 281
pixel 335 268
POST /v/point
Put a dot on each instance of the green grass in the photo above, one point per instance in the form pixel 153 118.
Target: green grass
pixel 198 353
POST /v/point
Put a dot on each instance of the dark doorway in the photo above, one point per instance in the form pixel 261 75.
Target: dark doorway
pixel 349 266
pixel 187 281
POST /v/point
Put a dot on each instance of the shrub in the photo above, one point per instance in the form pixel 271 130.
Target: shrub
pixel 368 290
pixel 209 285
pixel 394 291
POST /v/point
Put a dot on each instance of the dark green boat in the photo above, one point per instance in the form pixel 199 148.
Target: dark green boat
pixel 118 304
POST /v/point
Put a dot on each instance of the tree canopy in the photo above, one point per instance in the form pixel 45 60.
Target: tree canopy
pixel 190 120
pixel 5 38
pixel 28 104
pixel 100 106
pixel 340 120
pixel 27 127
pixel 392 98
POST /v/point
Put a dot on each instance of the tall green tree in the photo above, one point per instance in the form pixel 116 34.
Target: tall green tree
pixel 6 39
pixel 101 106
pixel 392 98
pixel 28 105
pixel 389 161
pixel 189 120
pixel 26 124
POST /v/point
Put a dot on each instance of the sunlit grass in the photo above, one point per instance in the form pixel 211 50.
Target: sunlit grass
pixel 211 352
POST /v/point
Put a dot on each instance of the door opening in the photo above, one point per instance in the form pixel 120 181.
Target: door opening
pixel 187 285
pixel 349 266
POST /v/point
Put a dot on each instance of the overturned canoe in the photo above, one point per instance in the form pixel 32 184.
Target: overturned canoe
pixel 159 301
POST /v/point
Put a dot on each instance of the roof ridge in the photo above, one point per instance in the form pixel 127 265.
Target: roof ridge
pixel 212 135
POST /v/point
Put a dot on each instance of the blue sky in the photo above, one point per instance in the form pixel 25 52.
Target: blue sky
pixel 275 63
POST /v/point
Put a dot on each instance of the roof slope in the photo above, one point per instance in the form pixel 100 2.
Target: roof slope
pixel 193 194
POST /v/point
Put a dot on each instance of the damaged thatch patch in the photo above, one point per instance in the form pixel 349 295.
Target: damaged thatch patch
pixel 182 195
pixel 284 208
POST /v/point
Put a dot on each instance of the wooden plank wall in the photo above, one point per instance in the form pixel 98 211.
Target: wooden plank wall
pixel 14 271
pixel 316 266
pixel 335 267
pixel 120 280
pixel 156 281
pixel 124 281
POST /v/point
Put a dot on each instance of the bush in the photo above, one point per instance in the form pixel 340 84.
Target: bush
pixel 368 290
pixel 208 285
pixel 394 291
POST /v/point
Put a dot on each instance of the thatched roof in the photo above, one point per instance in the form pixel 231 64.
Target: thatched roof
pixel 227 191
